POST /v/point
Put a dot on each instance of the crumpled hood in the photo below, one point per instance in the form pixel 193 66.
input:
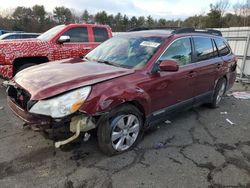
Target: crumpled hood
pixel 50 79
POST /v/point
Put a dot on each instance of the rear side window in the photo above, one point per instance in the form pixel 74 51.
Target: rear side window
pixel 77 34
pixel 100 34
pixel 30 36
pixel 222 47
pixel 13 37
pixel 203 48
pixel 180 51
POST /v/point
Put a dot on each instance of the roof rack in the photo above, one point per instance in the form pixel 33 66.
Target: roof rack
pixel 193 30
pixel 178 30
pixel 151 28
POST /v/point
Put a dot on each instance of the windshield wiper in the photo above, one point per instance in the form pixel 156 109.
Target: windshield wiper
pixel 86 58
pixel 106 62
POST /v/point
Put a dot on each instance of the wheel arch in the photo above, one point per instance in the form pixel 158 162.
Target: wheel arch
pixel 18 62
pixel 137 104
pixel 225 77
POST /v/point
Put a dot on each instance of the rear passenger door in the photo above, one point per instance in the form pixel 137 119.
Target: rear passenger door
pixel 228 65
pixel 79 44
pixel 99 35
pixel 207 62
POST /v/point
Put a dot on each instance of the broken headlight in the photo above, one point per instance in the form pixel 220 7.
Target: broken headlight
pixel 62 105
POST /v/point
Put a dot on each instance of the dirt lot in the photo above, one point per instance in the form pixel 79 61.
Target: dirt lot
pixel 198 149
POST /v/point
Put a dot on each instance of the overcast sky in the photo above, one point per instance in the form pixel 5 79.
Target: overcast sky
pixel 169 9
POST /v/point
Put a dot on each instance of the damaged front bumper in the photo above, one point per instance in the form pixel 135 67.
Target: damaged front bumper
pixel 27 117
pixel 77 123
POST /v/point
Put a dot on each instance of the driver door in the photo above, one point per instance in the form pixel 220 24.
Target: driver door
pixel 173 90
pixel 79 44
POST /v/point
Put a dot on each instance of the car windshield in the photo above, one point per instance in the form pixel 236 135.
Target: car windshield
pixel 126 51
pixel 50 33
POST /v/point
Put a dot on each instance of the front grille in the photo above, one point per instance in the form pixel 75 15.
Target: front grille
pixel 20 96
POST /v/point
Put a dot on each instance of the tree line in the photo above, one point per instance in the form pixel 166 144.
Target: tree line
pixel 37 19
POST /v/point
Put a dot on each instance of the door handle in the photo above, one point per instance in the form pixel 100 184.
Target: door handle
pixel 192 74
pixel 87 48
pixel 219 65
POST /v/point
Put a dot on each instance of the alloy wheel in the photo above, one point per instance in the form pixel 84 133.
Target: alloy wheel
pixel 220 93
pixel 125 132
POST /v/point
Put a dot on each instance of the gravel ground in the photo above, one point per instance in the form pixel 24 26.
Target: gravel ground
pixel 199 148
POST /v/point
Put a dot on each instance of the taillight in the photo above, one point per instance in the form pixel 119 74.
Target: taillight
pixel 233 66
pixel 235 59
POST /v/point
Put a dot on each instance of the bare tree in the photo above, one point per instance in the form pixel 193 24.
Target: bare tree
pixel 243 10
pixel 222 6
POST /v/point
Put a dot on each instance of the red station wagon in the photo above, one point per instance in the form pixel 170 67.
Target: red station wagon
pixel 127 84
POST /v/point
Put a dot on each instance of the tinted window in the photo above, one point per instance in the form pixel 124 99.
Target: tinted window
pixel 203 48
pixel 100 34
pixel 222 47
pixel 30 36
pixel 13 37
pixel 179 51
pixel 77 34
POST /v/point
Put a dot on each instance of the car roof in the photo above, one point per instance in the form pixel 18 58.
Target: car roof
pixel 2 37
pixel 149 33
pixel 29 33
pixel 9 34
pixel 86 24
pixel 165 33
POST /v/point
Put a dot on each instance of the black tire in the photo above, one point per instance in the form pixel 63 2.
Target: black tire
pixel 25 66
pixel 218 89
pixel 109 122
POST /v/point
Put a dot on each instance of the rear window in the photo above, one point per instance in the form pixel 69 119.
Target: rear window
pixel 100 34
pixel 203 48
pixel 77 34
pixel 222 47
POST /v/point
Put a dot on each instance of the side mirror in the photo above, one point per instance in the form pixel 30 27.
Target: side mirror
pixel 169 65
pixel 63 39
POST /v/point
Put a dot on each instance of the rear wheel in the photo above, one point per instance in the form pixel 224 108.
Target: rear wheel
pixel 120 130
pixel 219 92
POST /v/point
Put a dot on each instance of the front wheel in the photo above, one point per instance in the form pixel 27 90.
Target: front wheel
pixel 120 130
pixel 218 93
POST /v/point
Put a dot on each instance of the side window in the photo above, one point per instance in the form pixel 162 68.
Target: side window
pixel 222 47
pixel 100 34
pixel 203 48
pixel 11 37
pixel 180 51
pixel 216 54
pixel 18 36
pixel 30 36
pixel 77 34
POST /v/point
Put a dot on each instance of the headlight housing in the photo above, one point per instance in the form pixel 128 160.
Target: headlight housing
pixel 62 105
